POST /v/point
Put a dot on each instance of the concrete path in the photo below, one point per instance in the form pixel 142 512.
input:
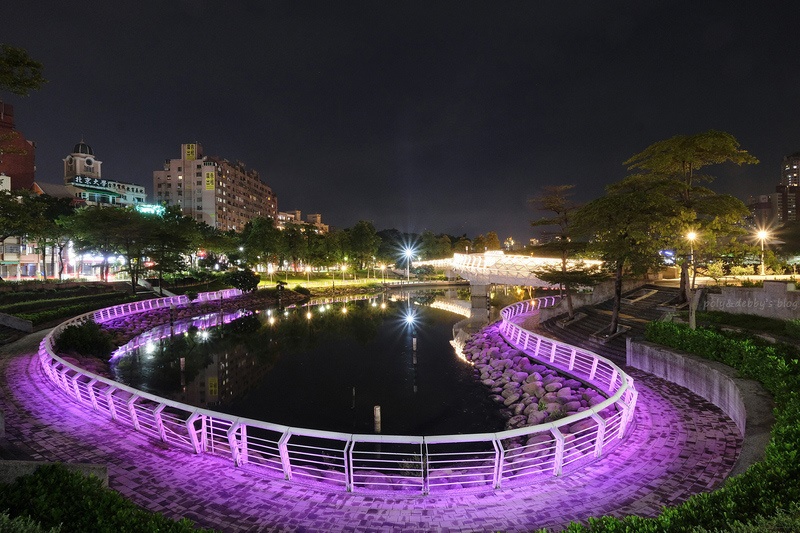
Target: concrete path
pixel 680 445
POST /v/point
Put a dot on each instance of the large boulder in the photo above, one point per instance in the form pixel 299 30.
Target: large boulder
pixel 564 392
pixel 511 399
pixel 553 386
pixel 534 389
pixel 519 377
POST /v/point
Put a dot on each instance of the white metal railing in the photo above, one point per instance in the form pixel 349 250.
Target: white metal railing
pixel 104 315
pixel 356 462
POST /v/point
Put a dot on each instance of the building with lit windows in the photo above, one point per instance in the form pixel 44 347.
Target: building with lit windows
pixel 763 210
pixel 296 217
pixel 788 191
pixel 83 177
pixel 223 194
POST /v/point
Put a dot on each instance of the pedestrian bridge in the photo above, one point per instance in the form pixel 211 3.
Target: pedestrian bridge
pixel 496 267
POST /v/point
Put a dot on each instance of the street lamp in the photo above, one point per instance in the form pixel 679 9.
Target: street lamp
pixel 409 253
pixel 762 236
pixel 691 236
pixel 308 274
pixel 383 274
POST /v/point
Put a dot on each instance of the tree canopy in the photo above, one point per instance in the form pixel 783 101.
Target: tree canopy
pixel 19 73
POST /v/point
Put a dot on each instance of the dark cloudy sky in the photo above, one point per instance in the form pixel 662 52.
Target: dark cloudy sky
pixel 422 115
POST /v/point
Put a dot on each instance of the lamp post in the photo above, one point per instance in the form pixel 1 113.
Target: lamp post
pixel 408 253
pixel 762 236
pixel 383 274
pixel 691 236
pixel 308 274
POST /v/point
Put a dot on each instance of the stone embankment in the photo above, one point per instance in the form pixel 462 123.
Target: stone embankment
pixel 529 393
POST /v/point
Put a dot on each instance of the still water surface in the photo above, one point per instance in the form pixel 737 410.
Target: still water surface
pixel 326 372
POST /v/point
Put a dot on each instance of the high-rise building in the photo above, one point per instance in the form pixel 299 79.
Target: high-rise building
pixel 17 155
pixel 763 210
pixel 788 191
pixel 222 194
pixel 83 176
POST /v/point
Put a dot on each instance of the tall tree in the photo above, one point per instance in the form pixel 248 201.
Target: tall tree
pixel 556 199
pixel 20 213
pixel 294 245
pixel 493 241
pixel 479 244
pixel 681 160
pixel 48 233
pixel 629 226
pixel 261 241
pixel 172 237
pixel 364 242
pixel 112 231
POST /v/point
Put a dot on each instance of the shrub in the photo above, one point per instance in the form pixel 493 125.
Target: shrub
pixel 87 338
pixel 55 496
pixel 716 270
pixel 302 290
pixel 244 280
pixel 739 270
pixel 751 283
pixel 792 328
pixel 23 524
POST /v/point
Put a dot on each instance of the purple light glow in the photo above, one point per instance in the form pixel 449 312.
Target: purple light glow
pixel 664 457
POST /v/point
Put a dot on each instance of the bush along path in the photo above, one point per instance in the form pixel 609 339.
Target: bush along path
pixel 767 490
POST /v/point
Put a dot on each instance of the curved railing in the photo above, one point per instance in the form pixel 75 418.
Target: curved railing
pixel 370 462
pixel 109 313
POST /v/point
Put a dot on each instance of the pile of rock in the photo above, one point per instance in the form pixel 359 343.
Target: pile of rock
pixel 529 393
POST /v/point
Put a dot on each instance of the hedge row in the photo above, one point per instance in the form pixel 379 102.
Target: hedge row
pixel 45 294
pixel 753 323
pixel 56 497
pixel 28 306
pixel 47 315
pixel 766 488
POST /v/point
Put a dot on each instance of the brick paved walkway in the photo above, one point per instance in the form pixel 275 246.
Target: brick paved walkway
pixel 680 445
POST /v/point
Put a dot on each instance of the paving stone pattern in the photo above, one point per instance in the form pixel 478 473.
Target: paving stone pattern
pixel 680 445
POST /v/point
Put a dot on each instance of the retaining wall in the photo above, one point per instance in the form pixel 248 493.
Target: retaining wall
pixel 744 401
pixel 777 299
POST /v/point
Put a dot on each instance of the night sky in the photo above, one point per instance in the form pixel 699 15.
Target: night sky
pixel 431 115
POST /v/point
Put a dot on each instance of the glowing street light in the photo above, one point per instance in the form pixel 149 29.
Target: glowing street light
pixel 383 273
pixel 762 236
pixel 308 274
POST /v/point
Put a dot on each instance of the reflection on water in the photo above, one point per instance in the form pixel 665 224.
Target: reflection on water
pixel 325 366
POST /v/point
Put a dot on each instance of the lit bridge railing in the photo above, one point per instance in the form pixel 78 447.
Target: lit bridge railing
pixel 499 268
pixel 364 462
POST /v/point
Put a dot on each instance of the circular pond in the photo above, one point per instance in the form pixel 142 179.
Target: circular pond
pixel 325 366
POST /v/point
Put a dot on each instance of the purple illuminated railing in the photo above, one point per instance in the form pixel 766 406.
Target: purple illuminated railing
pixel 357 462
pixel 104 315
